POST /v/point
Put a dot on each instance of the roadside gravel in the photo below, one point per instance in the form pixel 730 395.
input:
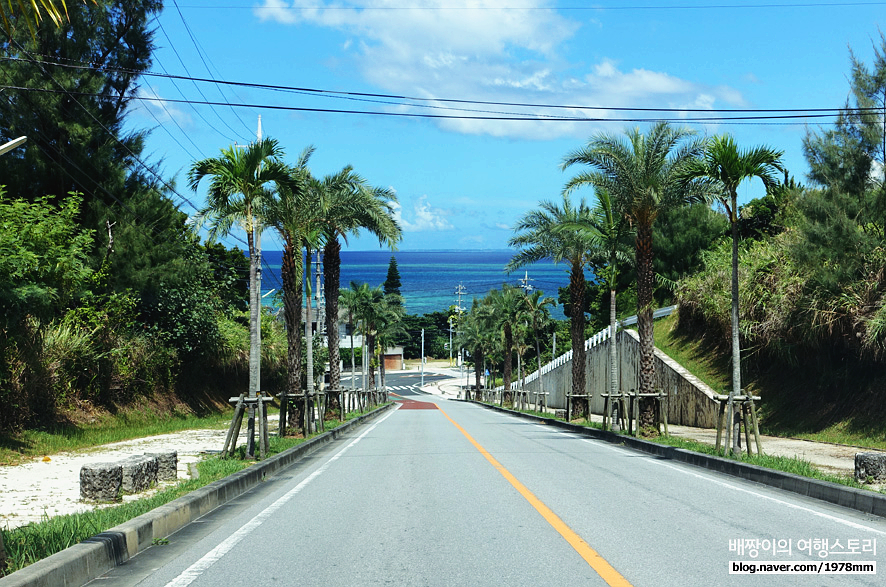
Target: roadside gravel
pixel 50 486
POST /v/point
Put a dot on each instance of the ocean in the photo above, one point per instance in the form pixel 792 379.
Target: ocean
pixel 429 279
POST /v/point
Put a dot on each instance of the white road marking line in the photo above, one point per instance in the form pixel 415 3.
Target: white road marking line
pixel 190 574
pixel 750 492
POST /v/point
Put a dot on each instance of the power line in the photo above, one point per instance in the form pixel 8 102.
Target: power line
pixel 763 119
pixel 540 105
pixel 182 94
pixel 200 53
pixel 174 50
pixel 161 125
pixel 111 134
pixel 593 8
pixel 60 157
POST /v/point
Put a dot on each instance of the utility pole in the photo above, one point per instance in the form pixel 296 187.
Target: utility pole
pixel 524 283
pixel 364 354
pixel 459 292
pixel 450 341
pixel 321 298
pixel 422 357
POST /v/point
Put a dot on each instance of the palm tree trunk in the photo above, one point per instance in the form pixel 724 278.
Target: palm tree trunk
pixel 309 341
pixel 577 332
pixel 254 337
pixel 645 288
pixel 541 381
pixel 370 354
pixel 508 367
pixel 613 349
pixel 478 371
pixel 332 275
pixel 736 346
pixel 289 273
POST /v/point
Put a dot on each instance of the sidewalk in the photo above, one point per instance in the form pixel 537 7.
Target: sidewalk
pixel 834 459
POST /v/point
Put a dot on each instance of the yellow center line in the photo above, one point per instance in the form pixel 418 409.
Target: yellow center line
pixel 591 556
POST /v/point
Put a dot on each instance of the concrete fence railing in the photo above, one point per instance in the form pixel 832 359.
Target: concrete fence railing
pixel 690 401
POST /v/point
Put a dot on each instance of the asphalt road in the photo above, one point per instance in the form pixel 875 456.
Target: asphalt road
pixel 449 493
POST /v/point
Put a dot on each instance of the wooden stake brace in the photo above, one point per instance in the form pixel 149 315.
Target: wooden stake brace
pixel 541 400
pixel 520 398
pixel 661 406
pixel 314 401
pixel 241 403
pixel 611 400
pixel 747 418
pixel 570 397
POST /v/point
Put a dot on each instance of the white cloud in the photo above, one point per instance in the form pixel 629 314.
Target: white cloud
pixel 487 50
pixel 424 217
pixel 279 11
pixel 153 107
pixel 474 239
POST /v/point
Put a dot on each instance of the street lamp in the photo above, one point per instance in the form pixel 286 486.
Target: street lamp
pixel 12 144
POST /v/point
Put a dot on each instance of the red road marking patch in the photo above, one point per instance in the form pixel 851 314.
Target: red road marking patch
pixel 408 404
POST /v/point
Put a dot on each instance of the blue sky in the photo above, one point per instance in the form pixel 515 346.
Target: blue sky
pixel 462 184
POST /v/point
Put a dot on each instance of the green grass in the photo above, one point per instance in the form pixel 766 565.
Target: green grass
pixel 696 356
pixel 785 464
pixel 712 366
pixel 849 433
pixel 28 544
pixel 793 465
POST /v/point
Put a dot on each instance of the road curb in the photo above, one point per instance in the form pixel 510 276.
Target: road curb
pixel 97 555
pixel 860 500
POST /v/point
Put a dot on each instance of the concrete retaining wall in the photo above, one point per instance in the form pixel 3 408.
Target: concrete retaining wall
pixel 691 402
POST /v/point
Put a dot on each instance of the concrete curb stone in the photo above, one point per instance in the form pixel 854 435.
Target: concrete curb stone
pixel 861 500
pixel 83 562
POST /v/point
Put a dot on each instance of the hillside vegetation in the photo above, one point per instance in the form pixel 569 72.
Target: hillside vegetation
pixel 811 273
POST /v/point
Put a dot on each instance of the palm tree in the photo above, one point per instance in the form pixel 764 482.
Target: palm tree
pixel 389 328
pixel 724 167
pixel 348 298
pixel 242 181
pixel 607 231
pixel 289 214
pixel 536 311
pixel 476 335
pixel 369 311
pixel 348 204
pixel 643 175
pixel 504 305
pixel 539 238
pixel 33 13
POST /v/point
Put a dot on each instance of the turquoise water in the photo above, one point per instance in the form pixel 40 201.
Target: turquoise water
pixel 429 279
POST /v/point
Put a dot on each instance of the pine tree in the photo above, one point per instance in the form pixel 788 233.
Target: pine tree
pixel 392 284
pixel 79 81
